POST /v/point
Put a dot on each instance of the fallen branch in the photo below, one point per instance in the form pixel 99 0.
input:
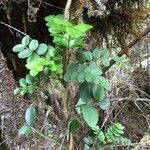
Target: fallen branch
pixel 130 45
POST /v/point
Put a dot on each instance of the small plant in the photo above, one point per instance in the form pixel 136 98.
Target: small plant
pixel 54 60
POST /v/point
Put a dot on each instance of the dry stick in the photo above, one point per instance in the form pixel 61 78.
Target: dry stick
pixel 130 45
pixel 9 26
pixel 66 12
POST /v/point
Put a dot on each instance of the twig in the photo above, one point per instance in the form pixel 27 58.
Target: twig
pixel 130 45
pixel 46 137
pixel 71 142
pixel 3 141
pixel 66 12
pixel 52 5
pixel 63 140
pixel 9 26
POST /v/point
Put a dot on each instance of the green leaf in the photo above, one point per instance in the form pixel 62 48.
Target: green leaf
pixel 74 125
pixel 61 40
pixel 18 48
pixel 117 58
pixel 22 82
pixel 105 53
pixel 42 49
pixel 90 115
pixel 101 136
pixel 73 68
pixel 103 104
pixel 80 103
pixel 50 52
pixel 31 89
pixel 33 57
pixel 25 53
pixel 96 53
pixel 30 115
pixel 96 79
pixel 56 29
pixel 25 41
pixel 33 72
pixel 86 147
pixel 104 82
pixel 98 92
pixel 38 64
pixel 82 27
pixel 119 126
pixel 17 90
pixel 85 91
pixel 53 68
pixel 25 130
pixel 88 140
pixel 82 68
pixel 73 32
pixel 23 91
pixel 95 69
pixel 74 76
pixel 46 71
pixel 105 62
pixel 88 55
pixel 76 43
pixel 33 44
pixel 88 77
pixel 80 56
pixel 118 131
pixel 50 18
pixel 29 79
pixel 81 77
pixel 67 77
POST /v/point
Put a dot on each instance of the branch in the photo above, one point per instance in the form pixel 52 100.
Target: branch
pixel 66 12
pixel 130 45
pixel 9 26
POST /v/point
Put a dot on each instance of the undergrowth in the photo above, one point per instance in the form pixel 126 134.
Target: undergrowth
pixel 54 62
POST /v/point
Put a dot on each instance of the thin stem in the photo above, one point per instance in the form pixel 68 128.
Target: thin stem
pixel 9 26
pixel 49 138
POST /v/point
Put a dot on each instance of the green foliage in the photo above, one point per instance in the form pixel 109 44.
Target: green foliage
pixel 85 91
pixel 111 137
pixel 98 92
pixel 73 125
pixel 103 104
pixel 90 115
pixel 25 130
pixel 47 60
pixel 114 132
pixel 27 85
pixel 65 33
pixel 30 116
